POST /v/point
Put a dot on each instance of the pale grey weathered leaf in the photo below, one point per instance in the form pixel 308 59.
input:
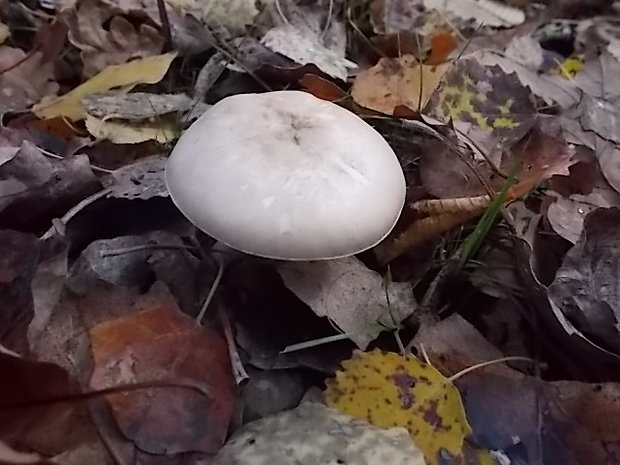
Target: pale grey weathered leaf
pixel 349 293
pixel 306 49
pixel 486 12
pixel 314 434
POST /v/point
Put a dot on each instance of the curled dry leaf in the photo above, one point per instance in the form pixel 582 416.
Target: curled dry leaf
pixel 164 129
pixel 397 81
pixel 145 71
pixel 158 343
pixel 429 219
pixel 24 79
pixel 136 105
pixel 388 390
pixel 106 36
pixel 536 157
pixel 34 189
pixel 585 288
pixel 322 88
pixel 350 294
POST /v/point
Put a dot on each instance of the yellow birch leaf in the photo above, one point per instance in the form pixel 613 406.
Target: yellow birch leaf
pixel 396 81
pixel 148 70
pixel 387 390
pixel 163 130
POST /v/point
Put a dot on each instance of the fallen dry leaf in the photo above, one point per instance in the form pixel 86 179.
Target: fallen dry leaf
pixel 159 343
pixel 163 129
pixel 350 294
pixel 106 36
pixel 485 96
pixel 27 420
pixel 145 71
pixel 235 15
pixel 389 390
pixel 34 189
pixel 306 49
pixel 585 288
pixel 486 12
pixel 18 252
pixel 322 88
pixel 550 88
pixel 143 179
pixel 315 434
pixel 136 105
pixel 5 33
pixel 24 79
pixel 563 422
pixel 397 81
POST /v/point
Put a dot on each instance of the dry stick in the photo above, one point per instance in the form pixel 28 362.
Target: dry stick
pixel 330 11
pixel 165 24
pixel 74 211
pixel 214 286
pixel 60 157
pixel 145 247
pixel 235 360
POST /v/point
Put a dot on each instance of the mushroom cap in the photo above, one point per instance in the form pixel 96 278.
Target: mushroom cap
pixel 286 175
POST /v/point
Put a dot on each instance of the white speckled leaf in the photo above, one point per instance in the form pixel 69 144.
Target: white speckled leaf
pixel 313 434
pixel 305 49
pixel 349 293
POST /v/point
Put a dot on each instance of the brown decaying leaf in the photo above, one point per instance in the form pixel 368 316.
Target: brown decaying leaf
pixel 18 256
pixel 105 37
pixel 24 79
pixel 322 88
pixel 586 287
pixel 562 422
pixel 26 419
pixel 537 156
pixel 159 343
pixel 431 219
pixel 34 189
pixel 397 81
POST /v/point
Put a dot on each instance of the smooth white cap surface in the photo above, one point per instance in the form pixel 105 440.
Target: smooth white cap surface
pixel 286 175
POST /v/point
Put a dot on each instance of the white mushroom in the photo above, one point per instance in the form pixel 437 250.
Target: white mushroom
pixel 286 175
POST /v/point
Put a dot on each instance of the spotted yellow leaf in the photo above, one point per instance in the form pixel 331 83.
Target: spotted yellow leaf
pixel 387 390
pixel 484 96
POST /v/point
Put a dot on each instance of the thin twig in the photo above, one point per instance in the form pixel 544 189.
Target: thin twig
pixel 74 211
pixel 330 11
pixel 488 363
pixel 165 24
pixel 145 247
pixel 235 360
pixel 60 157
pixel 214 286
